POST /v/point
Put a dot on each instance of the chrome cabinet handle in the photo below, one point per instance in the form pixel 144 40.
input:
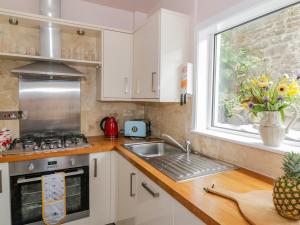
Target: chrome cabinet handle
pixel 126 85
pixel 95 168
pixel 28 180
pixel 153 193
pixel 138 87
pixel 131 185
pixel 0 181
pixel 153 82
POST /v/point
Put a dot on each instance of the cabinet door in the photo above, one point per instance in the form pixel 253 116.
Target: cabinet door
pixel 100 188
pixel 154 205
pixel 146 59
pixel 4 194
pixel 183 216
pixel 117 65
pixel 127 193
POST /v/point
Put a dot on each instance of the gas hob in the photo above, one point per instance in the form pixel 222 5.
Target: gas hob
pixel 50 141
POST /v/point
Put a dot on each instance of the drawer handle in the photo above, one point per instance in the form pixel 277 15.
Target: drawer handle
pixel 29 180
pixel 131 184
pixel 95 168
pixel 153 193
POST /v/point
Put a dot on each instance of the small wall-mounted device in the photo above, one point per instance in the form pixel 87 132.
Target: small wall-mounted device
pixel 186 82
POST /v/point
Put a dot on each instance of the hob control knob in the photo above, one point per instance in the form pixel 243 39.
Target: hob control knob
pixel 72 162
pixel 31 167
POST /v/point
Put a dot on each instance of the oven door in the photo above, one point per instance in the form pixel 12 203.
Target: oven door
pixel 26 196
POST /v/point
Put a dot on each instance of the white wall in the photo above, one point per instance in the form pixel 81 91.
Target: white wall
pixel 27 6
pixel 183 6
pixel 209 8
pixel 80 10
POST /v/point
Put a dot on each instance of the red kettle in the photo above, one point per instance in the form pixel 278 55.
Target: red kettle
pixel 109 126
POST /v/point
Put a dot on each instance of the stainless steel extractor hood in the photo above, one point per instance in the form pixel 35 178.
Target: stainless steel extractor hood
pixel 50 48
pixel 48 69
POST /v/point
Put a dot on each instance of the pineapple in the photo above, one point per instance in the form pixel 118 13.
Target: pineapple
pixel 286 192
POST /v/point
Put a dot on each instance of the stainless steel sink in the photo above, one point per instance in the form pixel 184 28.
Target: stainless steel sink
pixel 151 149
pixel 176 164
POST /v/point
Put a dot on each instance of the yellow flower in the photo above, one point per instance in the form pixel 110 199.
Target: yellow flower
pixel 293 89
pixel 254 82
pixel 264 78
pixel 282 89
pixel 293 92
pixel 285 76
pixel 245 105
pixel 263 84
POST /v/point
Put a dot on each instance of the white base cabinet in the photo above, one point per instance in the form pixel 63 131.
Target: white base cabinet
pixel 154 205
pixel 5 216
pixel 126 192
pixel 151 205
pixel 100 191
pixel 183 216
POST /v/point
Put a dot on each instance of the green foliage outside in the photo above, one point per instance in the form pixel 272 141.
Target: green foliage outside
pixel 236 64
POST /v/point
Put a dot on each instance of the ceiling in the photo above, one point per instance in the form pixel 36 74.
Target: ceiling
pixel 129 5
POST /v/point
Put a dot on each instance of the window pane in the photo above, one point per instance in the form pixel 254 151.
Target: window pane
pixel 268 45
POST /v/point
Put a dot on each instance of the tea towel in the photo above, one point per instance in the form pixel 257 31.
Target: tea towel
pixel 53 198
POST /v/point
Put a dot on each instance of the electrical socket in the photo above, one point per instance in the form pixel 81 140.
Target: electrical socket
pixel 11 115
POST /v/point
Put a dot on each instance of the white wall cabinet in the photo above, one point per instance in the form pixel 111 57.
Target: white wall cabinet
pixel 116 79
pixel 150 205
pixel 127 192
pixel 146 60
pixel 4 195
pixel 161 48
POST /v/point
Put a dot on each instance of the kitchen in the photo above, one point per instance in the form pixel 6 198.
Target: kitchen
pixel 77 76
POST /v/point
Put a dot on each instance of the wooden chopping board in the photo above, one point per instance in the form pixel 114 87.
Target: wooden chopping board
pixel 256 207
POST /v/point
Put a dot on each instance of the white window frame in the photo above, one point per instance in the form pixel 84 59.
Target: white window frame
pixel 203 90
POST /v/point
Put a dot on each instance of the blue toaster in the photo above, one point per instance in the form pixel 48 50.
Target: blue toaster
pixel 137 128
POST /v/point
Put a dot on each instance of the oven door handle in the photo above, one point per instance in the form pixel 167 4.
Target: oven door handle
pixel 29 180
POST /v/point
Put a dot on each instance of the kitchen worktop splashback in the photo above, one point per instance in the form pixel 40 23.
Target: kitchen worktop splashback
pixel 92 111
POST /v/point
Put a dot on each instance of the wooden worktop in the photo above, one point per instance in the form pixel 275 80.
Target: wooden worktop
pixel 209 208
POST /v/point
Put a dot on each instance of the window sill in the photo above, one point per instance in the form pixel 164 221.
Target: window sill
pixel 247 141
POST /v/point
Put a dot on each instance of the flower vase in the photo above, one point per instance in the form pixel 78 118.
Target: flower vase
pixel 272 130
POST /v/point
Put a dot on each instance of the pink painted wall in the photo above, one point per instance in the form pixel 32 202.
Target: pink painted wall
pixel 83 11
pixel 28 6
pixel 79 10
pixel 186 6
pixel 87 11
pixel 210 8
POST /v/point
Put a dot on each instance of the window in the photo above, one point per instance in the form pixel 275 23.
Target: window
pixel 269 44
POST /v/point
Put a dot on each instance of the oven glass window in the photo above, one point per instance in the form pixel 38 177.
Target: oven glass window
pixel 27 198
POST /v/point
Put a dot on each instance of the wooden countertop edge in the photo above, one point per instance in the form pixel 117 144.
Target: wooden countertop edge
pixel 166 183
pixel 41 155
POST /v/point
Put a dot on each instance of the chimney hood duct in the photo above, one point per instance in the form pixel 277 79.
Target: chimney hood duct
pixel 50 47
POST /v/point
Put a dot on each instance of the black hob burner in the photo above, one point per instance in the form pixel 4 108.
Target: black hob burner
pixel 53 141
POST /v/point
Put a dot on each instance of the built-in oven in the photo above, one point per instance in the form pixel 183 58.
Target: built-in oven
pixel 26 190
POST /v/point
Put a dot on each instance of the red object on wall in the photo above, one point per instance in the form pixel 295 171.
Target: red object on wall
pixel 109 126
